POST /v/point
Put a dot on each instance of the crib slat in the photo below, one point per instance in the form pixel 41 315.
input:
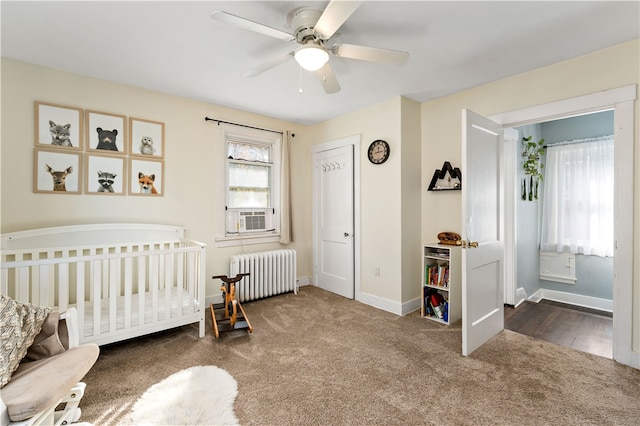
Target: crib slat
pixel 63 284
pixel 105 279
pixel 41 280
pixel 142 278
pixel 153 286
pixel 23 285
pixel 4 281
pixel 96 293
pixel 179 259
pixel 128 283
pixel 80 296
pixel 113 294
pixel 192 276
pixel 168 286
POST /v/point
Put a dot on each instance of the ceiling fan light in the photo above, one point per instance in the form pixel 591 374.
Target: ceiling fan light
pixel 311 57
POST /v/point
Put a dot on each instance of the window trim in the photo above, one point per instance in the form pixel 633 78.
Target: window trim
pixel 252 136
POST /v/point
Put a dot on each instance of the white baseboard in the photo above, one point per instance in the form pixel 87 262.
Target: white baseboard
pixel 387 305
pixel 521 296
pixel 572 299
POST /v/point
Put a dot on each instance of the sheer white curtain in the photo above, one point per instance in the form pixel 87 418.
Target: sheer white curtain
pixel 577 210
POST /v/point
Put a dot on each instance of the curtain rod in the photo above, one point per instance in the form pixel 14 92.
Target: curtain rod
pixel 576 141
pixel 242 125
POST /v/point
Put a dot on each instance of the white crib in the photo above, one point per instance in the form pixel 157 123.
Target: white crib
pixel 125 280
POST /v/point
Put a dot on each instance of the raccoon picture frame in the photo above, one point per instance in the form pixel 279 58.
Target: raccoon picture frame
pixel 106 132
pixel 105 175
pixel 146 138
pixel 58 126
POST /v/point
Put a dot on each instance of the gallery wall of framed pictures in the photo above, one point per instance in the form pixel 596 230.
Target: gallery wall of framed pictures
pixel 101 153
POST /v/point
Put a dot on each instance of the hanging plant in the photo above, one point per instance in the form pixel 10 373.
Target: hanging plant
pixel 532 154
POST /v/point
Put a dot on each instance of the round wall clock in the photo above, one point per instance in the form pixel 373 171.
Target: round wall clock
pixel 378 151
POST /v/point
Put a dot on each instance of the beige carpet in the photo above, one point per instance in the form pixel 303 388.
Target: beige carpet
pixel 319 359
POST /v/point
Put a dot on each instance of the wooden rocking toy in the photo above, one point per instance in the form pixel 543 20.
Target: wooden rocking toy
pixel 229 315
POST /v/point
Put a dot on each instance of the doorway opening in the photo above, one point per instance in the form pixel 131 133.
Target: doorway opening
pixel 621 100
pixel 569 295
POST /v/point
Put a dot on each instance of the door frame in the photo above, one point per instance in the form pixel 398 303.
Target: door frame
pixel 353 141
pixel 621 100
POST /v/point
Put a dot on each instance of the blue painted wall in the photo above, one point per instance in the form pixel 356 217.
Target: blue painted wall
pixel 594 274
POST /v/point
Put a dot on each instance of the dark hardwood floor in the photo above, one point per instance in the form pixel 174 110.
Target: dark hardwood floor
pixel 584 329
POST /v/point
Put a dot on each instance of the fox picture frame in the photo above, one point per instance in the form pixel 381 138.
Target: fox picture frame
pixel 146 177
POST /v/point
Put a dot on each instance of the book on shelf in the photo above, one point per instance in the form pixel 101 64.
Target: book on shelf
pixel 437 275
pixel 436 302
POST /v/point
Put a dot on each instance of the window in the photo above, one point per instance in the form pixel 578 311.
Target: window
pixel 250 193
pixel 577 212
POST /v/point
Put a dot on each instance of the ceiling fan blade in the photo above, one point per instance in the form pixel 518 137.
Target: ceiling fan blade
pixel 334 16
pixel 328 79
pixel 272 63
pixel 251 25
pixel 371 54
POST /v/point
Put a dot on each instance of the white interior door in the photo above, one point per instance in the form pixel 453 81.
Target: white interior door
pixel 334 260
pixel 482 231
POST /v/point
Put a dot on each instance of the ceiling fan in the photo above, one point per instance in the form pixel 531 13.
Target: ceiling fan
pixel 312 29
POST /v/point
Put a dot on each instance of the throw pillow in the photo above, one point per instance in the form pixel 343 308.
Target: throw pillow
pixel 20 323
pixel 47 343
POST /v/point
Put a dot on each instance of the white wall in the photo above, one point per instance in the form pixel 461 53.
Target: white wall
pixel 190 162
pixel 610 68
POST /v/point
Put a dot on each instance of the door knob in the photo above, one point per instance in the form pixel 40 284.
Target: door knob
pixel 473 244
pixel 346 234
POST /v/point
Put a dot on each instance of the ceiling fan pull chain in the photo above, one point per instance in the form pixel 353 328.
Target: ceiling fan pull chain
pixel 300 71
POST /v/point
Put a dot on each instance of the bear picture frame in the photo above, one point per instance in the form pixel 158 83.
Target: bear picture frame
pixel 57 171
pixel 146 177
pixel 58 126
pixel 105 174
pixel 146 138
pixel 106 132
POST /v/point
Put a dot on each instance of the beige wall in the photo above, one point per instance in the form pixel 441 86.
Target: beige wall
pixel 610 68
pixel 379 197
pixel 412 188
pixel 190 195
pixel 389 202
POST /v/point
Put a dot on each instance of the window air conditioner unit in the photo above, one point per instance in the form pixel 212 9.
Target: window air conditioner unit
pixel 247 221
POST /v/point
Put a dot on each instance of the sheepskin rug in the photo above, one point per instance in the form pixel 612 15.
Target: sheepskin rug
pixel 202 395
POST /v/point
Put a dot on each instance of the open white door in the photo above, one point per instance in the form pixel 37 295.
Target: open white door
pixel 334 254
pixel 482 231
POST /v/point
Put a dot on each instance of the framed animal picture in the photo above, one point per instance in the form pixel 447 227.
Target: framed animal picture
pixel 106 132
pixel 146 177
pixel 58 126
pixel 146 138
pixel 56 171
pixel 105 175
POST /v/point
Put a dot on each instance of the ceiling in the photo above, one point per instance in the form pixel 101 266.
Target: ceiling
pixel 176 48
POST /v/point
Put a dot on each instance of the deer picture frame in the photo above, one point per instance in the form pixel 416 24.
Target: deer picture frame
pixel 57 172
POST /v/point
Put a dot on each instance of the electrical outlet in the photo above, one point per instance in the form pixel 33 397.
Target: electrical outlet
pixel 376 271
